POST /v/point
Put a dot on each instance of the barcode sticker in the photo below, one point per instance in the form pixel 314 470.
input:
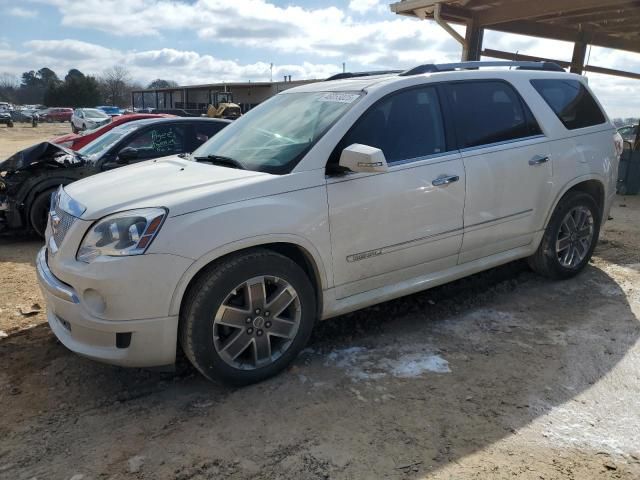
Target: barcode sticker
pixel 339 97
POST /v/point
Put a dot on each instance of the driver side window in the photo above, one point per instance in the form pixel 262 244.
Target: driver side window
pixel 158 141
pixel 404 125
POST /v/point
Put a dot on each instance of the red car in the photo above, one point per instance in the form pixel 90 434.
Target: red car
pixel 75 141
pixel 56 115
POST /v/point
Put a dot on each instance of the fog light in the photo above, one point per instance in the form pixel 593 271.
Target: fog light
pixel 94 301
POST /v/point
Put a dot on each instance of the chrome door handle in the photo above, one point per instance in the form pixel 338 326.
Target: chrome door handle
pixel 445 180
pixel 538 160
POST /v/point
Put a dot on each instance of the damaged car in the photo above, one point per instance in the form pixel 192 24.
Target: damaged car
pixel 29 177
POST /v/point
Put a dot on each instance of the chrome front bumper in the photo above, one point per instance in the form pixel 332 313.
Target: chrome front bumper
pixel 50 283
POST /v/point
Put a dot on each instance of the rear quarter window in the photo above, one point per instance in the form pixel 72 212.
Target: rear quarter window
pixel 571 102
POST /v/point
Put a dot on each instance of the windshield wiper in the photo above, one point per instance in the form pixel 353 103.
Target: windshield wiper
pixel 221 160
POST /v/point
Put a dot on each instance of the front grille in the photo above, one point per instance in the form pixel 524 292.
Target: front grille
pixel 66 221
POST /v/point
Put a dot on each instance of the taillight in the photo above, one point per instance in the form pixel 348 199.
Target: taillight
pixel 618 143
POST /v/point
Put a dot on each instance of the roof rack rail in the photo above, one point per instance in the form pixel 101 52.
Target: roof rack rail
pixel 340 76
pixel 447 67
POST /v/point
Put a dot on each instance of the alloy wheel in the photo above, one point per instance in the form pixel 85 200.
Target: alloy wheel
pixel 257 322
pixel 575 237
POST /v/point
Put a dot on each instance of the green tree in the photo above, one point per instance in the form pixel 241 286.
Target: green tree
pixel 77 90
pixel 160 83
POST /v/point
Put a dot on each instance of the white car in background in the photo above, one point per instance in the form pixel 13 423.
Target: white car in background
pixel 88 119
pixel 325 199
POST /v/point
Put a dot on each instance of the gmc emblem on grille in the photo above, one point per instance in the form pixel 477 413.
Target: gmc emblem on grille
pixel 55 222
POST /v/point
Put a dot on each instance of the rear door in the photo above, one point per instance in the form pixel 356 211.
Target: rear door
pixel 508 166
pixel 393 226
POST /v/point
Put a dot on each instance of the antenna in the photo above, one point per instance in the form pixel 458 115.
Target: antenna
pixel 271 72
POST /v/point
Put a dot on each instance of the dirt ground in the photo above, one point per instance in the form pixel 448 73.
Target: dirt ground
pixel 503 375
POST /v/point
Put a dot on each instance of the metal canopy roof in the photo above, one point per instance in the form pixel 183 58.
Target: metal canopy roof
pixel 606 23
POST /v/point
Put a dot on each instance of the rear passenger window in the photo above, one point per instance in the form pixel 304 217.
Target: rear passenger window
pixel 571 102
pixel 404 125
pixel 489 112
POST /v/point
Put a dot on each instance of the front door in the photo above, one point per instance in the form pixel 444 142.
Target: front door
pixel 401 224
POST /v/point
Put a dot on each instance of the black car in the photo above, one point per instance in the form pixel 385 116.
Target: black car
pixel 5 118
pixel 25 116
pixel 28 178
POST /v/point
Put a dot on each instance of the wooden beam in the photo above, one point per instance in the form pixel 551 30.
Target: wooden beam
pixel 579 55
pixel 556 32
pixel 526 10
pixel 518 57
pixel 474 37
pixel 529 58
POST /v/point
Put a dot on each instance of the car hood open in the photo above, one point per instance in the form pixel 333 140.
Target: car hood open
pixel 178 184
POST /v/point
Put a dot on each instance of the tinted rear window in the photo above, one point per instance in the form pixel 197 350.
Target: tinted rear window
pixel 489 112
pixel 571 102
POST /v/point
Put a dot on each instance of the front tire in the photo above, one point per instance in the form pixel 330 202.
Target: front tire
pixel 247 317
pixel 570 237
pixel 39 210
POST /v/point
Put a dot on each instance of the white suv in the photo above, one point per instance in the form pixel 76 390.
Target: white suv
pixel 325 199
pixel 88 119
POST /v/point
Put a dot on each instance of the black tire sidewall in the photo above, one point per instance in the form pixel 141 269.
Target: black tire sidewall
pixel 206 302
pixel 42 200
pixel 573 199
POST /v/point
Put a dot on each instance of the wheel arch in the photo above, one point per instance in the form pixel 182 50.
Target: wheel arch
pixel 29 192
pixel 296 249
pixel 590 184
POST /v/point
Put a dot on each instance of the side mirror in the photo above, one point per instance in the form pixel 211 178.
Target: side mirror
pixel 363 159
pixel 126 154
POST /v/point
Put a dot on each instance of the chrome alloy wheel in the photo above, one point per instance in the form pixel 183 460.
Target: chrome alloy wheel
pixel 256 322
pixel 575 237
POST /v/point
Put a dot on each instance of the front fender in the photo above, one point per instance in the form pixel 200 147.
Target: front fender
pixel 257 241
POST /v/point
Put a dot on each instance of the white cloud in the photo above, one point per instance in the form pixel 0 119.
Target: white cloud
pixel 325 37
pixel 363 6
pixel 22 12
pixel 185 67
pixel 326 32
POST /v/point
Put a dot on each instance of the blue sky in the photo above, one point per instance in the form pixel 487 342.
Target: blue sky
pixel 201 41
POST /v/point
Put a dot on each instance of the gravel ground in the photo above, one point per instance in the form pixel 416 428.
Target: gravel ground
pixel 497 376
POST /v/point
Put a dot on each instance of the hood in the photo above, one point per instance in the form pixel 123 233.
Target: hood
pixel 180 185
pixel 45 153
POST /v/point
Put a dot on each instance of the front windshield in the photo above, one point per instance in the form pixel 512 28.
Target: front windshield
pixel 98 146
pixel 92 113
pixel 273 136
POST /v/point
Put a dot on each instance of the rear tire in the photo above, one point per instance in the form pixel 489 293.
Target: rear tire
pixel 570 237
pixel 232 327
pixel 10 124
pixel 39 210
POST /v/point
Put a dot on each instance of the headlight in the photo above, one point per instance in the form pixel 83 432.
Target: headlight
pixel 122 234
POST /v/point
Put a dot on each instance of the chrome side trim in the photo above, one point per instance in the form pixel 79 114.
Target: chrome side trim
pixel 400 246
pixel 499 219
pixel 356 257
pixel 50 283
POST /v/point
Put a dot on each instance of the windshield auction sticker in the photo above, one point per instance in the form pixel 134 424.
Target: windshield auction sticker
pixel 339 97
